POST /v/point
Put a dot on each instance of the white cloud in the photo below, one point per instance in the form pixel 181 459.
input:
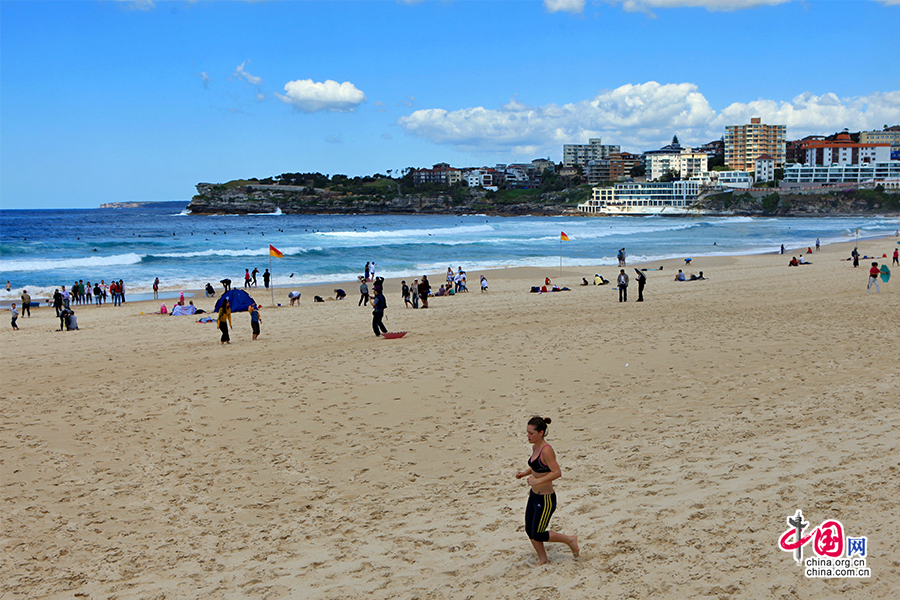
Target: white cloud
pixel 309 96
pixel 647 6
pixel 240 73
pixel 204 79
pixel 640 117
pixel 571 6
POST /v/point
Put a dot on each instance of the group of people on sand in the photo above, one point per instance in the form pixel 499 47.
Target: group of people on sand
pixel 223 320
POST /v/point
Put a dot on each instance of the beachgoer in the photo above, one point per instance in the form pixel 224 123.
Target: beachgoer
pixel 701 277
pixel 621 257
pixel 415 293
pixel 372 271
pixel 121 292
pixel 424 289
pixel 226 283
pixel 817 244
pixel 642 281
pixel 363 293
pixel 266 277
pixel 14 316
pixel 247 278
pixel 339 294
pixel 679 276
pixel 294 297
pixel 378 306
pixel 782 249
pixel 224 320
pixel 404 293
pixel 896 260
pixel 855 255
pixel 598 279
pixel 156 289
pixel 210 291
pixel 622 281
pixel 874 272
pixel 367 271
pixel 484 284
pixel 254 320
pixel 547 281
pixel 794 262
pixel 8 285
pixel 57 301
pixel 253 274
pixel 26 303
pixel 542 470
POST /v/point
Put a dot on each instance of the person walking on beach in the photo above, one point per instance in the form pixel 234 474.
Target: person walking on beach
pixel 266 277
pixel 367 271
pixel 224 320
pixel 253 274
pixel 782 249
pixel 26 303
pixel 817 244
pixel 57 301
pixel 254 320
pixel 14 315
pixel 247 278
pixel 855 255
pixel 642 281
pixel 874 272
pixel 363 293
pixel 896 260
pixel 622 282
pixel 621 257
pixel 378 306
pixel 542 470
pixel 424 289
pixel 415 293
pixel 404 293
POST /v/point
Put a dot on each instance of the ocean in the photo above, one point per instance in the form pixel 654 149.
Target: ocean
pixel 44 249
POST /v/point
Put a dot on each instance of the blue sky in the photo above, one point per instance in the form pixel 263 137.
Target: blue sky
pixel 104 101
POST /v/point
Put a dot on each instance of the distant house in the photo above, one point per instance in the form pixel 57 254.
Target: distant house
pixel 842 150
pixel 441 173
pixel 765 168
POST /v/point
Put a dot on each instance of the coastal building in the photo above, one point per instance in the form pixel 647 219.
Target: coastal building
pixel 485 178
pixel 744 143
pixel 673 197
pixel 886 171
pixel 441 173
pixel 842 150
pixel 741 180
pixel 765 168
pixel 713 148
pixel 581 154
pixel 890 135
pixel 542 164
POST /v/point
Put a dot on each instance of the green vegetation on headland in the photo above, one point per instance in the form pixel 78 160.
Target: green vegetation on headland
pixel 318 193
pixel 798 203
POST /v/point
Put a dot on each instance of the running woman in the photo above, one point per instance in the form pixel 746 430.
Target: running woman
pixel 542 470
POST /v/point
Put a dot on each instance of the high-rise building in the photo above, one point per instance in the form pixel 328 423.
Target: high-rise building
pixel 581 154
pixel 745 143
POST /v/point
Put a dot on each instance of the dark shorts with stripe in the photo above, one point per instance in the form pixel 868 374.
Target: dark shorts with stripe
pixel 537 515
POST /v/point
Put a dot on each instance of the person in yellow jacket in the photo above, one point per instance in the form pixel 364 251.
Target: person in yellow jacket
pixel 224 320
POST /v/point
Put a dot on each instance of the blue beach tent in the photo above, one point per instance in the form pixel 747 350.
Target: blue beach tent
pixel 239 299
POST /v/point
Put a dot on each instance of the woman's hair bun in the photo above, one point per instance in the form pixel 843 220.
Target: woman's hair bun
pixel 547 420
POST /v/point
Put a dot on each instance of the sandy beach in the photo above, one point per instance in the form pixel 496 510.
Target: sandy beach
pixel 141 459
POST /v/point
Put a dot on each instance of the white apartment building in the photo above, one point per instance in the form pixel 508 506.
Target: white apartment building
pixel 879 171
pixel 580 154
pixel 726 179
pixel 765 168
pixel 844 151
pixel 685 162
pixel 642 197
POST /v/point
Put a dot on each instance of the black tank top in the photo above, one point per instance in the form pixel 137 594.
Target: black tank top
pixel 536 465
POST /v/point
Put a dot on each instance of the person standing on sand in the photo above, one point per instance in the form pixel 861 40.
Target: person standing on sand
pixel 404 293
pixel 642 281
pixel 253 274
pixel 224 321
pixel 156 289
pixel 415 293
pixel 542 470
pixel 622 282
pixel 855 255
pixel 424 289
pixel 26 303
pixel 378 306
pixel 874 272
pixel 247 278
pixel 254 320
pixel 266 277
pixel 15 316
pixel 896 260
pixel 367 271
pixel 817 244
pixel 363 293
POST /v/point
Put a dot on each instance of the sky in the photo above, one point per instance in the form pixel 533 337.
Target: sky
pixel 116 101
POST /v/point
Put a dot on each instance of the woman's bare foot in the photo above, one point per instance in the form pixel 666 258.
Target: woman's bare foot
pixel 573 546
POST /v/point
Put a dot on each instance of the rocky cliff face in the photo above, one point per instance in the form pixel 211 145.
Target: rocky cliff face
pixel 218 199
pixel 846 202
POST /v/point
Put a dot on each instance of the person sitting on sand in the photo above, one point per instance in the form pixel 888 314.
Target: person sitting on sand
pixel 584 282
pixel 339 294
pixel 803 262
pixel 598 280
pixel 794 262
pixel 680 276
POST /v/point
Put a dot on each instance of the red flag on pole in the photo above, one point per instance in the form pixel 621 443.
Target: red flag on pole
pixel 273 251
pixel 563 237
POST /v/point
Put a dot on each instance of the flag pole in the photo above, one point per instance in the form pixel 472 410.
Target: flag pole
pixel 272 278
pixel 560 256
